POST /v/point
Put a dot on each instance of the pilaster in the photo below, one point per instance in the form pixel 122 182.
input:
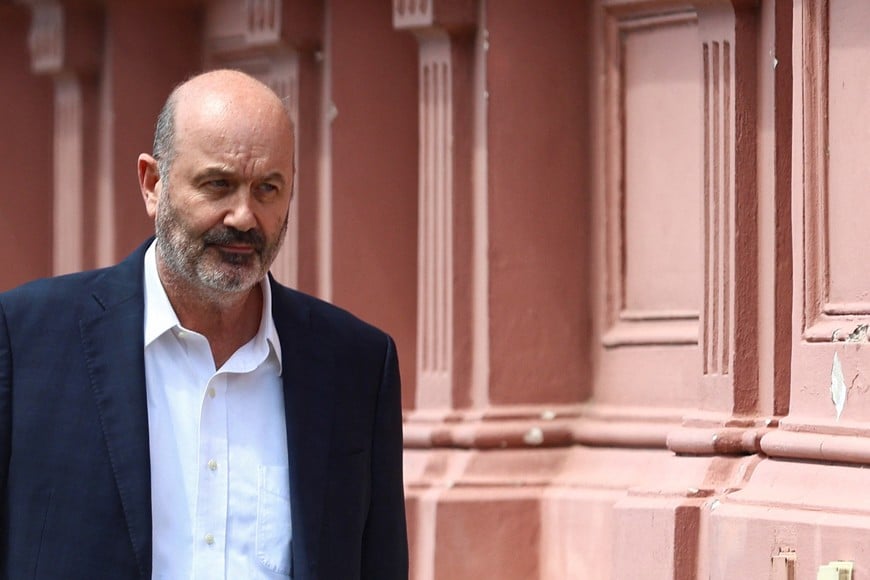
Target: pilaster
pixel 65 44
pixel 728 334
pixel 444 317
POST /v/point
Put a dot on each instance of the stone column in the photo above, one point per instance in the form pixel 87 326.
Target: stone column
pixel 729 319
pixel 66 44
pixel 445 196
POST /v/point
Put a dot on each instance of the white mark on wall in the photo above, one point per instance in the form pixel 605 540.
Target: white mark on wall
pixel 838 386
pixel 534 436
pixel 859 334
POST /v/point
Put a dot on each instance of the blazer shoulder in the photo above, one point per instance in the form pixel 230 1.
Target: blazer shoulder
pixel 105 285
pixel 49 292
pixel 325 317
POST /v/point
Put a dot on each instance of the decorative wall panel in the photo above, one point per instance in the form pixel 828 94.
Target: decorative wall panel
pixel 650 300
pixel 837 287
pixel 653 289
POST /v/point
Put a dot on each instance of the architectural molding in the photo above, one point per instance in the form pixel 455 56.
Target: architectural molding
pixel 263 21
pixel 66 43
pixel 448 15
pixel 718 201
pixel 729 342
pixel 239 28
pixel 65 37
pixel 528 427
pixel 626 327
pixel 823 320
pixel 47 37
pixel 834 448
pixel 435 270
pixel 445 128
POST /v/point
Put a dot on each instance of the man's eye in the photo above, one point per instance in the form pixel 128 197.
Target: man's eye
pixel 267 189
pixel 218 184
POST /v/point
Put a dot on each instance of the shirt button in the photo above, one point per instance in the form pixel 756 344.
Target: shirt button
pixel 211 393
pixel 209 539
pixel 212 464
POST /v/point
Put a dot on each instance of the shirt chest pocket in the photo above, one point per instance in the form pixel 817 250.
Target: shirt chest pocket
pixel 274 529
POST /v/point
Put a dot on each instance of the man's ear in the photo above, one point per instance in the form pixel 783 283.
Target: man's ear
pixel 149 183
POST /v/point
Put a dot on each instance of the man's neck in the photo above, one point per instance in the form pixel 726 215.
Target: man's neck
pixel 227 320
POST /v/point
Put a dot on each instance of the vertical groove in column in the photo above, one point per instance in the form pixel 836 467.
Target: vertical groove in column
pixel 717 201
pixel 447 290
pixel 442 288
pixel 426 172
pixel 708 267
pixel 437 216
pixel 726 208
pixel 431 226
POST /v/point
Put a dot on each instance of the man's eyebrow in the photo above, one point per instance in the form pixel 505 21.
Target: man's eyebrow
pixel 224 172
pixel 214 171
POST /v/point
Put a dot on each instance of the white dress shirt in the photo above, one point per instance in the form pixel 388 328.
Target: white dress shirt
pixel 220 483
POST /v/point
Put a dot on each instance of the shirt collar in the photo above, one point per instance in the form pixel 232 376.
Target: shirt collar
pixel 160 317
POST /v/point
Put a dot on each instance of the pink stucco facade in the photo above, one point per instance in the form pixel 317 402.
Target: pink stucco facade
pixel 620 244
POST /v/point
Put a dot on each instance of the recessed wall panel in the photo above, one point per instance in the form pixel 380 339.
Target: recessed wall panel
pixel 849 161
pixel 663 160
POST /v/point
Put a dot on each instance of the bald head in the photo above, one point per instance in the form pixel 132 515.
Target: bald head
pixel 219 184
pixel 223 95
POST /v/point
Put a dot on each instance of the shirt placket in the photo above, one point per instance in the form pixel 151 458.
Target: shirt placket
pixel 213 483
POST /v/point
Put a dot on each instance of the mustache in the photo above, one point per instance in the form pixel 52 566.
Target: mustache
pixel 230 235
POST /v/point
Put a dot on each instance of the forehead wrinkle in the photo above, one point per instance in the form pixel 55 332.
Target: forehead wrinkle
pixel 244 136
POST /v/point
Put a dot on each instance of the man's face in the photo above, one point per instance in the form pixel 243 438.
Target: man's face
pixel 221 258
pixel 223 206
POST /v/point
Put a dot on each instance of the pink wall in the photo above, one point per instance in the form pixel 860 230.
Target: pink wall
pixel 539 201
pixel 374 161
pixel 619 243
pixel 25 156
pixel 147 53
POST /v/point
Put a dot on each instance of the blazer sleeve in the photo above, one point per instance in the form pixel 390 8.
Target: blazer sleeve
pixel 385 543
pixel 5 429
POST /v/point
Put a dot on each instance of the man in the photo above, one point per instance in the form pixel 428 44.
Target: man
pixel 182 415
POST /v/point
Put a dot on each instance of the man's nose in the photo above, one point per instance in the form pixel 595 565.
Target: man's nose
pixel 240 215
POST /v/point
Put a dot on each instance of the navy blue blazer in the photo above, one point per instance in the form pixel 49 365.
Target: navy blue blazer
pixel 75 495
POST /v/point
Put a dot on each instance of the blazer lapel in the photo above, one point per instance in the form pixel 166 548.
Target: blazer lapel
pixel 308 377
pixel 113 341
